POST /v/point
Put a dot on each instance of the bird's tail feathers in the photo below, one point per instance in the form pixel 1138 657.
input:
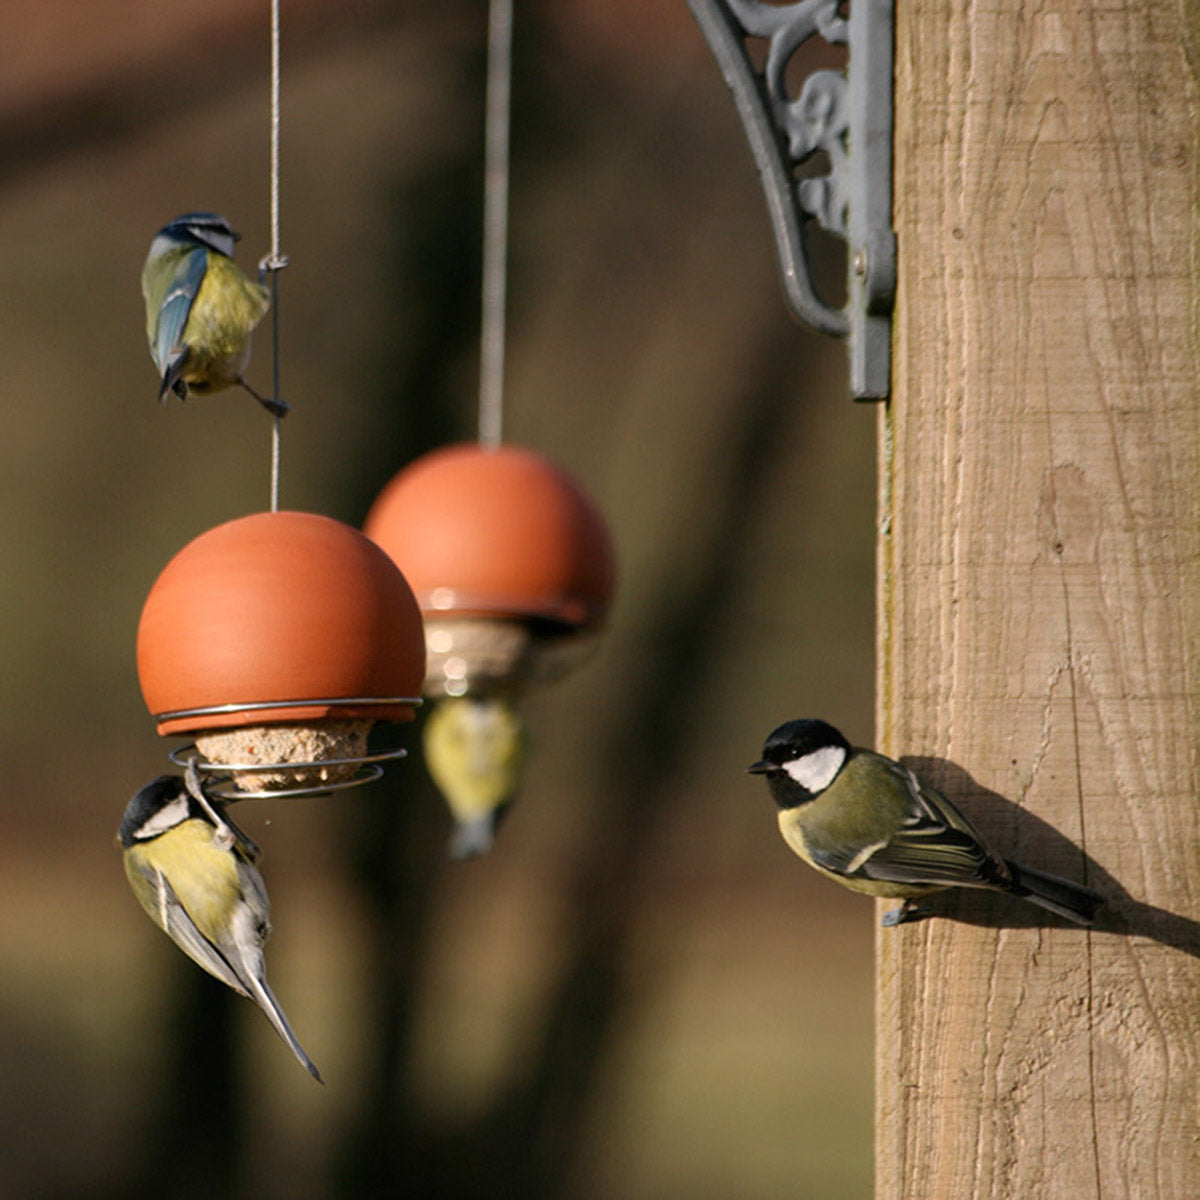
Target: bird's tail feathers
pixel 172 379
pixel 474 837
pixel 265 998
pixel 1071 900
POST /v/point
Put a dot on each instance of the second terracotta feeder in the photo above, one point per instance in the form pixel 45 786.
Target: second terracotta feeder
pixel 277 640
pixel 511 564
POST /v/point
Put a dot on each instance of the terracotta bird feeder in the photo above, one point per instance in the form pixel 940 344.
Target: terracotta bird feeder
pixel 511 564
pixel 277 640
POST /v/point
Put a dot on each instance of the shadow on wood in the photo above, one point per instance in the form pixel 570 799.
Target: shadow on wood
pixel 1016 833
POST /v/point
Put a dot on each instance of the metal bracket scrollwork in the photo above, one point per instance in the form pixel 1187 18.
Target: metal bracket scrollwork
pixel 848 116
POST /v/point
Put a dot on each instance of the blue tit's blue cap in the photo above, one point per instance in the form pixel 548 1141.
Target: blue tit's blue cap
pixel 203 229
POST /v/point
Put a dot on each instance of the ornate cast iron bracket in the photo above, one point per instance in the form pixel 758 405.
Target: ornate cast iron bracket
pixel 848 116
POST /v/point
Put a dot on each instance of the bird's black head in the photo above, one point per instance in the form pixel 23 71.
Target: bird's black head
pixel 161 805
pixel 202 229
pixel 800 760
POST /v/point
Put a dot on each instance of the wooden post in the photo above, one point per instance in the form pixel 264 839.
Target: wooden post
pixel 1039 574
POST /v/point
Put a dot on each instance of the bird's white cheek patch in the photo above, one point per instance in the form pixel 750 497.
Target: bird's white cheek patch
pixel 171 814
pixel 815 772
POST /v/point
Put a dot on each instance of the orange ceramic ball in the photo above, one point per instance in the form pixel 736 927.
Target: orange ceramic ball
pixel 284 607
pixel 496 532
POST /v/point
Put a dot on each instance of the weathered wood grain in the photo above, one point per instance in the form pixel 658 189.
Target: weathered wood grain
pixel 1039 575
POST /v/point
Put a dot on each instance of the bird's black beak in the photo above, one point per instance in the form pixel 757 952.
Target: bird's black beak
pixel 762 767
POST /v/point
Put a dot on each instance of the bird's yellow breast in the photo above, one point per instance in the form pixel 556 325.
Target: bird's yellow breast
pixel 225 312
pixel 203 875
pixel 473 752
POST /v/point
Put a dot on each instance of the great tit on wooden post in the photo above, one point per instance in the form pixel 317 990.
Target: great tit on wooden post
pixel 473 751
pixel 201 309
pixel 194 873
pixel 869 823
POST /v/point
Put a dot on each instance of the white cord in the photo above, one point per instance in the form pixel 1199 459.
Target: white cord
pixel 495 221
pixel 274 132
pixel 275 261
pixel 276 439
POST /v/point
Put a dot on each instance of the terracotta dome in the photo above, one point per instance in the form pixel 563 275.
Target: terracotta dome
pixel 496 532
pixel 277 610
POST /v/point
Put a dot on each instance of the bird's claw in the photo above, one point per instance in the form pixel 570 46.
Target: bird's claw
pixel 277 408
pixel 223 835
pixel 908 911
pixel 269 263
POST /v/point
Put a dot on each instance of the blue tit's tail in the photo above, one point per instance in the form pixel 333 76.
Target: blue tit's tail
pixel 172 380
pixel 1071 900
pixel 475 836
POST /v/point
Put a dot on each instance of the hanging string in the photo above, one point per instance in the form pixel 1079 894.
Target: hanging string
pixel 275 260
pixel 495 221
pixel 274 133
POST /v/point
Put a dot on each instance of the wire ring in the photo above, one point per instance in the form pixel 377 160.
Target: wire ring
pixel 229 791
pixel 368 764
pixel 215 710
pixel 218 768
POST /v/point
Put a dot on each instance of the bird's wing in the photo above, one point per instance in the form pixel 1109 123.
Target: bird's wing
pixel 173 918
pixel 254 894
pixel 934 843
pixel 174 311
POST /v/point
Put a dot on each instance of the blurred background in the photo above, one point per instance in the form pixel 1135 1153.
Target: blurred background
pixel 640 993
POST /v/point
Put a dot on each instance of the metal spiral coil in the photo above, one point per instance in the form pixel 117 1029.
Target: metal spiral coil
pixel 220 785
pixel 369 770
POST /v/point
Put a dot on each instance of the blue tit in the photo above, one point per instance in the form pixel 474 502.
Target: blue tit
pixel 197 880
pixel 200 308
pixel 869 823
pixel 473 751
